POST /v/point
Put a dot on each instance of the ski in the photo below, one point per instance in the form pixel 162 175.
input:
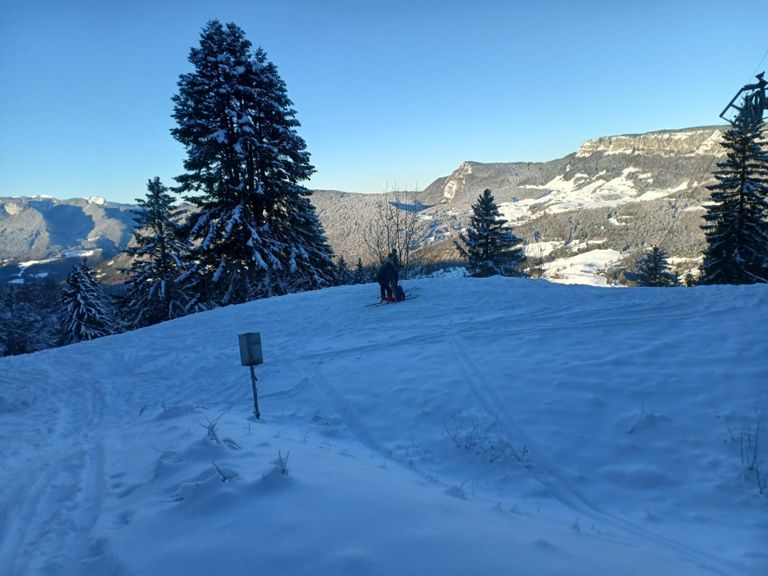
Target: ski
pixel 375 304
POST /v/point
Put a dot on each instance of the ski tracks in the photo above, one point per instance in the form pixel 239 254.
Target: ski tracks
pixel 494 406
pixel 553 479
pixel 358 429
pixel 53 494
pixel 337 404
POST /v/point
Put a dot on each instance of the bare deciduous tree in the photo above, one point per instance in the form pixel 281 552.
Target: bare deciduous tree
pixel 395 227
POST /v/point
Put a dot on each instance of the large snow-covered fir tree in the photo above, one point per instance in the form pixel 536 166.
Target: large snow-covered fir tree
pixel 653 269
pixel 158 252
pixel 255 234
pixel 87 312
pixel 489 246
pixel 308 255
pixel 736 226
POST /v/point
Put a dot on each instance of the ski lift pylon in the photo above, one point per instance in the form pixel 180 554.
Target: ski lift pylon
pixel 753 102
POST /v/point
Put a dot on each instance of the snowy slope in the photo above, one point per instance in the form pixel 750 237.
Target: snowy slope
pixel 494 426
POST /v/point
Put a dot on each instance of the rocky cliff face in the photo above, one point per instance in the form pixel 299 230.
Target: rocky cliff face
pixel 618 193
pixel 690 142
pixel 660 152
pixel 507 180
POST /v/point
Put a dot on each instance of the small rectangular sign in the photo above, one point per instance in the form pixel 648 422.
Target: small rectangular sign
pixel 250 349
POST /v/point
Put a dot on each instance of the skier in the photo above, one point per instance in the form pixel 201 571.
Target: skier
pixel 387 277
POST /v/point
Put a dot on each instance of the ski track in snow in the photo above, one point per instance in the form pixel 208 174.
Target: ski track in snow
pixel 355 423
pixel 337 404
pixel 46 529
pixel 551 477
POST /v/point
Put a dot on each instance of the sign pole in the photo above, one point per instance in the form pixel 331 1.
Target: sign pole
pixel 255 395
pixel 251 355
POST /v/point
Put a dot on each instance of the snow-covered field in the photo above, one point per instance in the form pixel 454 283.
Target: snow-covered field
pixel 582 192
pixel 487 427
pixel 585 268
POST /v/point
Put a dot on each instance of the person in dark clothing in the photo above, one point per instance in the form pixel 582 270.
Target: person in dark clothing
pixel 387 277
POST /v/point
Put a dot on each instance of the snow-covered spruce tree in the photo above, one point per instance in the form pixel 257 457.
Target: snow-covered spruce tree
pixel 87 312
pixel 256 233
pixel 736 226
pixel 27 324
pixel 154 293
pixel 343 272
pixel 307 258
pixel 489 246
pixel 359 277
pixel 653 269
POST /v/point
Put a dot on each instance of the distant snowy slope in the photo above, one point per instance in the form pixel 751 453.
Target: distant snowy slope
pixel 494 426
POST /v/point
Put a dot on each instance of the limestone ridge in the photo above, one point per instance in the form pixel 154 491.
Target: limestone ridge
pixel 690 142
pixel 470 179
pixel 607 153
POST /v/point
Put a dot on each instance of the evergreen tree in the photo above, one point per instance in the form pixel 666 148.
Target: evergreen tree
pixel 86 312
pixel 27 323
pixel 343 271
pixel 306 253
pixel 154 294
pixel 256 233
pixel 736 226
pixel 653 269
pixel 360 277
pixel 489 245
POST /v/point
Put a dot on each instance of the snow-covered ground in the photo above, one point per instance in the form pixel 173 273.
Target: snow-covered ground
pixel 585 268
pixel 582 192
pixel 487 427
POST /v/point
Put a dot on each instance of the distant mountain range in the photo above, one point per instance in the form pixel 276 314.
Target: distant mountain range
pixel 44 236
pixel 614 196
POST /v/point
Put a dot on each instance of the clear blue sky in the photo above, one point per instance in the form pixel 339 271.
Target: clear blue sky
pixel 394 92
